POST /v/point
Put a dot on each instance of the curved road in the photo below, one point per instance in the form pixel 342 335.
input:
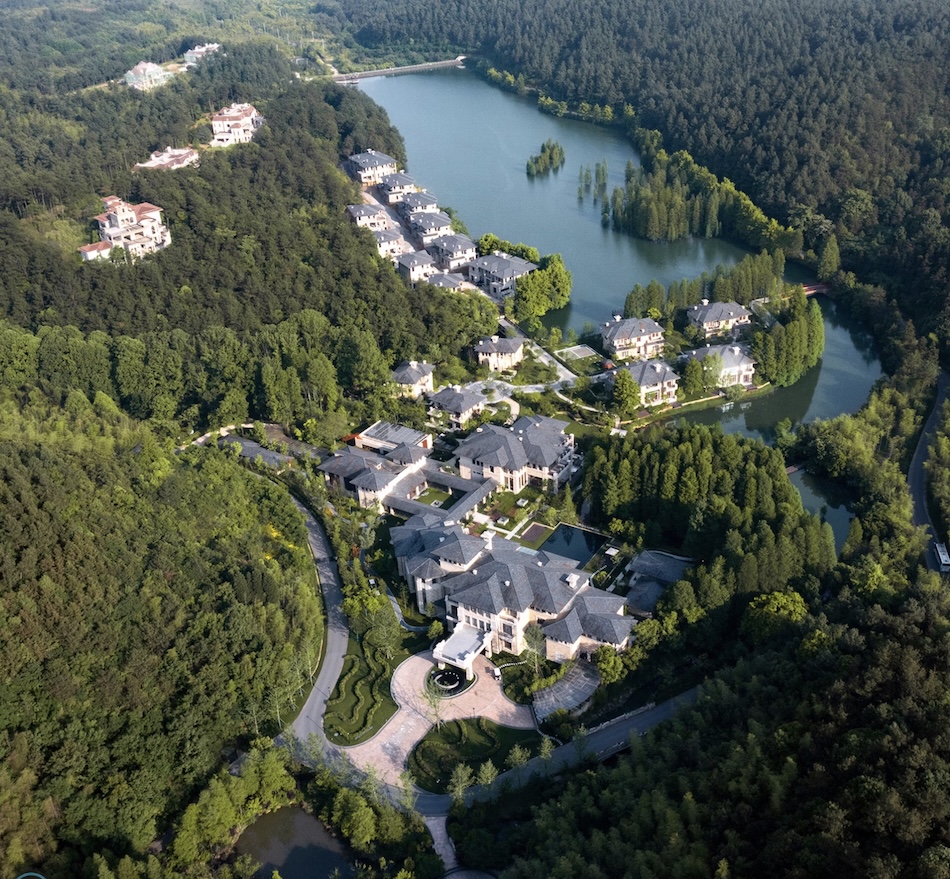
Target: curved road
pixel 917 475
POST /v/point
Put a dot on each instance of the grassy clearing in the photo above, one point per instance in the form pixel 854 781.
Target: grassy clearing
pixel 465 741
pixel 361 703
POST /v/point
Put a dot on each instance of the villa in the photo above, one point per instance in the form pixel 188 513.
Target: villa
pixel 635 337
pixel 383 436
pixel 396 186
pixel 535 448
pixel 390 244
pixel 199 53
pixel 718 318
pixel 146 76
pixel 500 352
pixel 414 202
pixel 371 167
pixel 737 367
pixel 451 252
pixel 414 379
pixel 137 229
pixel 415 266
pixel 427 226
pixel 170 159
pixel 235 124
pixel 459 405
pixel 657 380
pixel 497 273
pixel 448 281
pixel 368 216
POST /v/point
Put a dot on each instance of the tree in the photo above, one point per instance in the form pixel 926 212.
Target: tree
pixel 608 663
pixel 460 781
pixel 487 773
pixel 435 631
pixel 355 818
pixel 768 614
pixel 432 697
pixel 830 259
pixel 517 757
pixel 534 642
pixel 546 748
pixel 693 377
pixel 626 395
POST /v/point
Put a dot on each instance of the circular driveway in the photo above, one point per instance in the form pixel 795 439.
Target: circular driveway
pixel 389 749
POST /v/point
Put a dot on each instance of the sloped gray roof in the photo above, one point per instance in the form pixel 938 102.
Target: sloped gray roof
pixel 430 221
pixel 407 454
pixel 716 312
pixel 504 267
pixel 383 236
pixel 495 446
pixel 371 159
pixel 452 244
pixel 733 356
pixel 363 210
pixel 448 280
pixel 457 401
pixel 415 259
pixel 542 438
pixel 650 372
pixel 595 615
pixel 374 478
pixel 499 345
pixel 344 463
pixel 630 328
pixel 411 371
pixel 567 629
pixel 416 200
pixel 397 181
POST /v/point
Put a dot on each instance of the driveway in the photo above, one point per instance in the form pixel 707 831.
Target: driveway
pixel 571 691
pixel 389 749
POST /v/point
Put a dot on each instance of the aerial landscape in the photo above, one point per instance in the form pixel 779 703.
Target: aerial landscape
pixel 477 439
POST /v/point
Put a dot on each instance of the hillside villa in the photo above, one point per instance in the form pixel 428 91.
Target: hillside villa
pixel 452 251
pixel 235 124
pixel 137 229
pixel 496 273
pixel 657 380
pixel 146 76
pixel 459 404
pixel 500 352
pixel 415 266
pixel 199 53
pixel 371 167
pixel 633 337
pixel 413 379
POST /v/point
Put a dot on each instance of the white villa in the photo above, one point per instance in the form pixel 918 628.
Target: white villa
pixel 235 124
pixel 415 266
pixel 718 318
pixel 137 229
pixel 535 448
pixel 658 381
pixel 146 76
pixel 413 379
pixel 460 405
pixel 500 352
pixel 633 337
pixel 199 53
pixel 170 159
pixel 396 186
pixel 737 367
pixel 369 216
pixel 371 167
pixel 496 274
pixel 451 252
pixel 427 226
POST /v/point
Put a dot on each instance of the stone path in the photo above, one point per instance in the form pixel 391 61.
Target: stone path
pixel 573 690
pixel 388 750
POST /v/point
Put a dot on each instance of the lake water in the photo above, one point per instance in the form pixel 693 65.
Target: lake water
pixel 468 143
pixel 294 843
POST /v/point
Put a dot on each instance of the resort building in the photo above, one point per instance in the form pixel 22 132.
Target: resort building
pixel 451 252
pixel 413 379
pixel 235 124
pixel 448 281
pixel 369 216
pixel 414 202
pixel 146 76
pixel 497 273
pixel 658 381
pixel 718 318
pixel 390 244
pixel 371 167
pixel 737 367
pixel 396 186
pixel 427 226
pixel 170 159
pixel 634 337
pixel 535 448
pixel 415 266
pixel 500 352
pixel 137 229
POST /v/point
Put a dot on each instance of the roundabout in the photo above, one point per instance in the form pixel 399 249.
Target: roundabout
pixel 448 682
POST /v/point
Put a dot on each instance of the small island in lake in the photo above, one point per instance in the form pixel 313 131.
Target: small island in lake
pixel 550 158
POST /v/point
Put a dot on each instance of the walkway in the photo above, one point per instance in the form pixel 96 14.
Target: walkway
pixel 389 749
pixel 917 474
pixel 570 692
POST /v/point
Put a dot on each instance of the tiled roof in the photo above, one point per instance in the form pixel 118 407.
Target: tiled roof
pixel 629 328
pixel 411 371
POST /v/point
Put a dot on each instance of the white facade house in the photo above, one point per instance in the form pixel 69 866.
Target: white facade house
pixel 370 167
pixel 137 229
pixel 500 352
pixel 634 337
pixel 199 53
pixel 657 380
pixel 235 124
pixel 396 186
pixel 415 266
pixel 459 404
pixel 718 318
pixel 738 368
pixel 413 379
pixel 451 251
pixel 146 76
pixel 369 216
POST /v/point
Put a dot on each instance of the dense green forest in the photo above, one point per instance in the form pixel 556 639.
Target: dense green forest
pixel 832 116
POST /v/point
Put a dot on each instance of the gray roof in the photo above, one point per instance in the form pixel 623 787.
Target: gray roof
pixel 543 438
pixel 532 439
pixel 397 181
pixel 499 345
pixel 406 454
pixel 629 328
pixel 448 280
pixel 650 372
pixel 374 478
pixel 504 267
pixel 453 244
pixel 457 401
pixel 383 235
pixel 417 201
pixel 411 371
pixel 346 462
pixel 371 159
pixel 714 312
pixel 594 614
pixel 733 356
pixel 363 210
pixel 385 431
pixel 415 259
pixel 660 566
pixel 429 221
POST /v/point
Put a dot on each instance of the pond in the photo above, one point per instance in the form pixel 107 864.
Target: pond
pixel 574 543
pixel 295 844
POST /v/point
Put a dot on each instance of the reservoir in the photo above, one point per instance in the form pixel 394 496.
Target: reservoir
pixel 468 143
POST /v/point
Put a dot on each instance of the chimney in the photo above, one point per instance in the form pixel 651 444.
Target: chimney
pixel 705 302
pixel 489 539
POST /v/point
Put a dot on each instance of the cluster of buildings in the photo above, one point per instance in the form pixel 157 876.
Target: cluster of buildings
pixel 419 238
pixel 488 588
pixel 146 75
pixel 641 340
pixel 235 124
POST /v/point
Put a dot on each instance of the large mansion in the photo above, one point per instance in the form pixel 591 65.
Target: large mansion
pixel 137 229
pixel 235 124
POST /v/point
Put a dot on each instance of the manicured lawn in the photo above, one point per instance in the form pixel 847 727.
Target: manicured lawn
pixel 361 703
pixel 465 741
pixel 445 498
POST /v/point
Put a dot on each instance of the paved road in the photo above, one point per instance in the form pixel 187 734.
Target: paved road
pixel 310 720
pixel 392 71
pixel 916 475
pixel 564 376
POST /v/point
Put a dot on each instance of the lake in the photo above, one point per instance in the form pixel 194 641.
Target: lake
pixel 468 143
pixel 294 843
